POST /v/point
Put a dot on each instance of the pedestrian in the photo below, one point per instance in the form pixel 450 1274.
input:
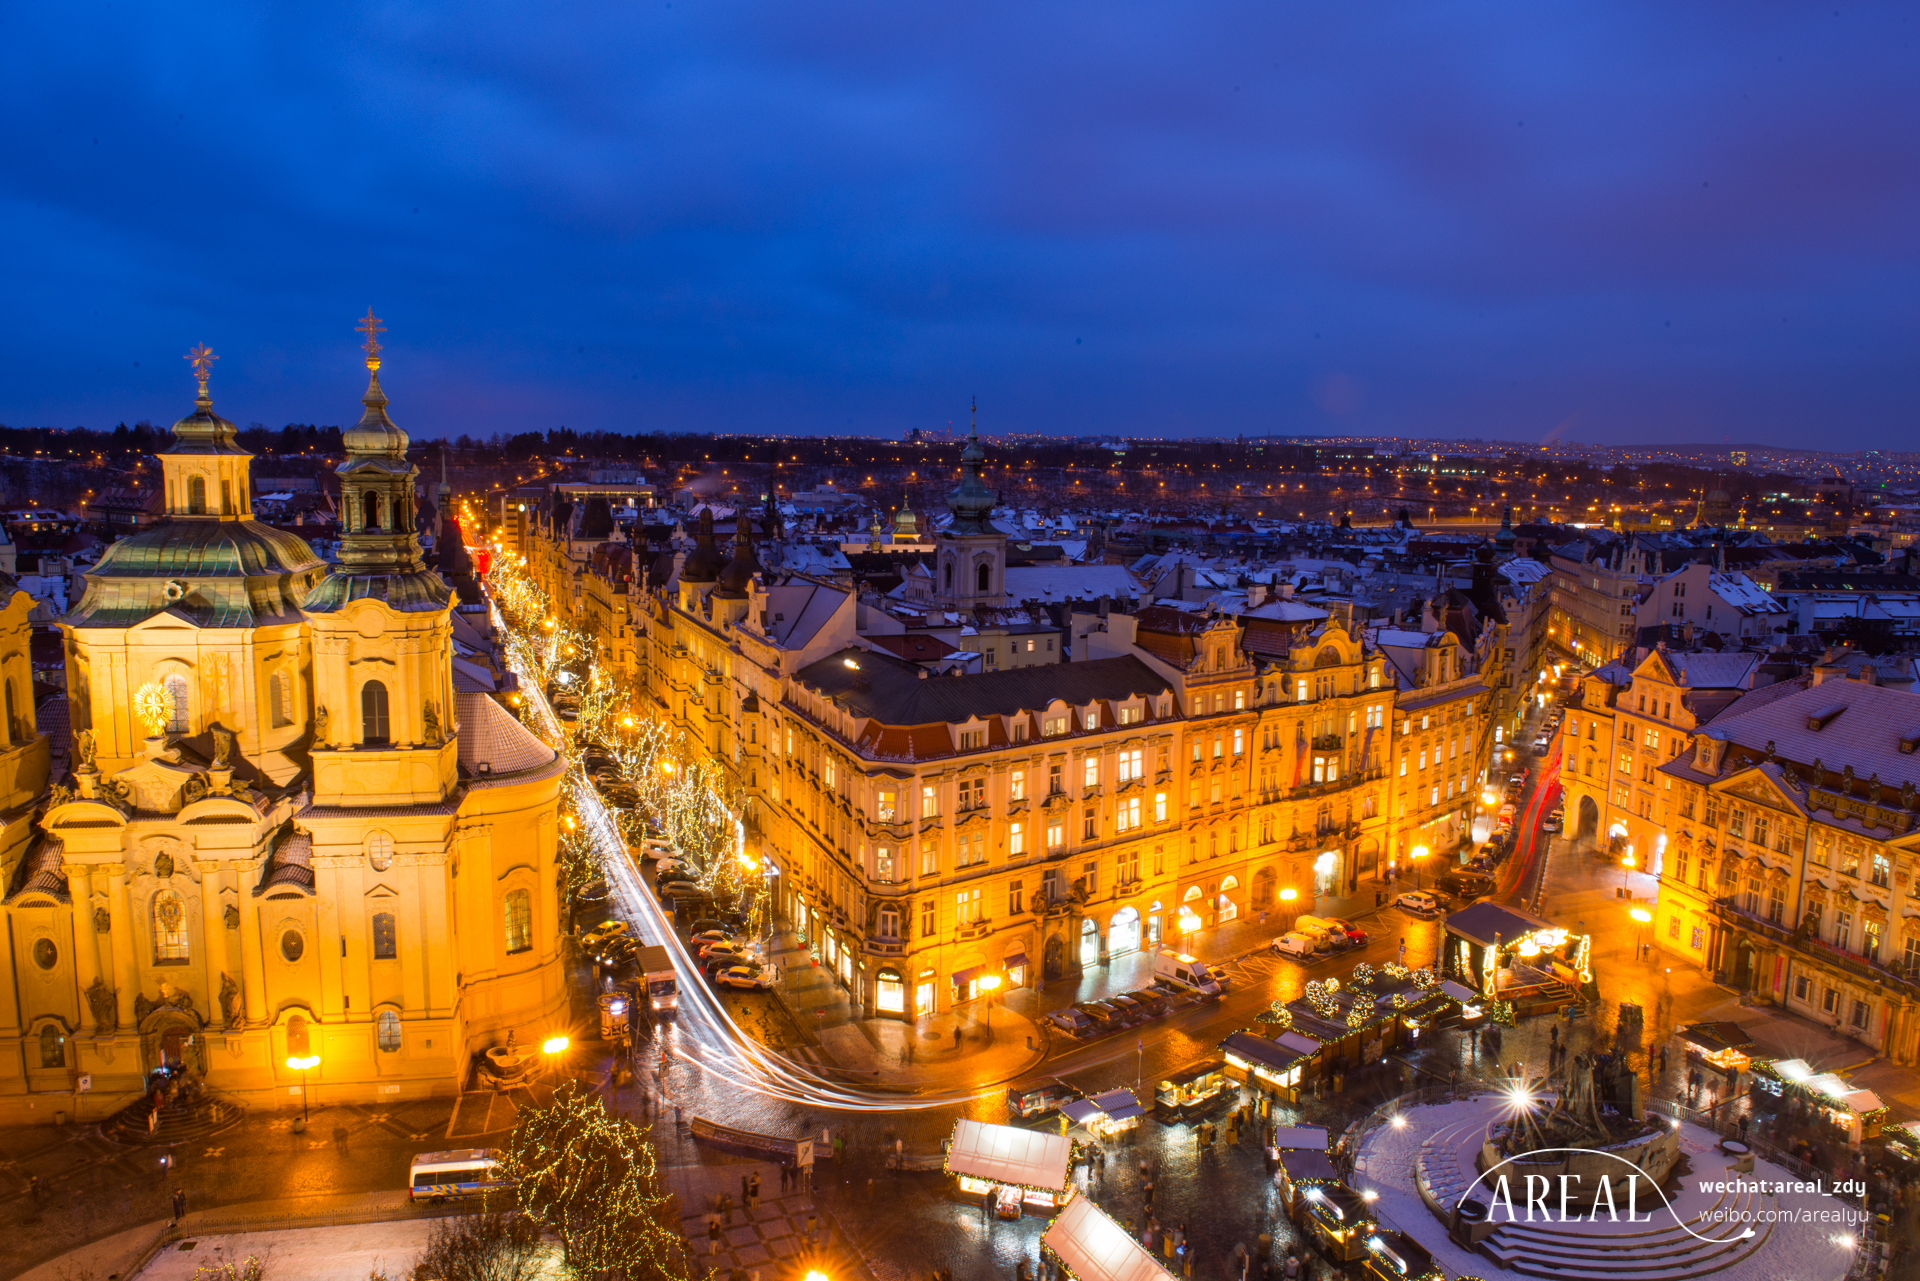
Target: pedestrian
pixel 986 1203
pixel 713 1234
pixel 753 1190
pixel 869 1189
pixel 1020 1271
pixel 1403 950
pixel 726 1207
pixel 813 1226
pixel 745 1201
pixel 340 1139
pixel 1663 1060
pixel 1146 1192
pixel 1553 1035
pixel 956 1038
pixel 179 1204
pixel 786 1176
pixel 1186 1264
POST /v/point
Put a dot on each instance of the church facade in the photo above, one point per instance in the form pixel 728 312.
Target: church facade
pixel 286 833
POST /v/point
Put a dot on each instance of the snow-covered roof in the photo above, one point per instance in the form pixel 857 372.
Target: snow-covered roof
pixel 1744 594
pixel 1070 582
pixel 1007 1154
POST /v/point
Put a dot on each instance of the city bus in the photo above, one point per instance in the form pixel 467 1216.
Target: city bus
pixel 440 1176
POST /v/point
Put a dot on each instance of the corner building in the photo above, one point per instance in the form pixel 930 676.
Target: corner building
pixel 326 850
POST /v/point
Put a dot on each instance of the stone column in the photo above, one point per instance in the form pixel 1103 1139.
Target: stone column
pixel 125 977
pixel 253 969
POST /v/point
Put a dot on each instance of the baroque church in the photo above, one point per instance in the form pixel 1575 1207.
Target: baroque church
pixel 289 831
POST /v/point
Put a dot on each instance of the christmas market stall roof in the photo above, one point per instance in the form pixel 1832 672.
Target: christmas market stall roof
pixel 1312 1138
pixel 1716 1037
pixel 1004 1154
pixel 1095 1248
pixel 1482 922
pixel 1119 1105
pixel 1261 1052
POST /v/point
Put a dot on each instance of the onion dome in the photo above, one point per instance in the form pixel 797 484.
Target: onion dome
pixel 375 433
pixel 971 502
pixel 744 565
pixel 706 561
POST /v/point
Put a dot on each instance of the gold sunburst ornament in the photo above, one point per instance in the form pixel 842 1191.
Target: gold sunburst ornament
pixel 153 707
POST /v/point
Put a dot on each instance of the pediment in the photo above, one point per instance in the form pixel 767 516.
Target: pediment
pixel 171 619
pixel 1752 784
pixel 383 891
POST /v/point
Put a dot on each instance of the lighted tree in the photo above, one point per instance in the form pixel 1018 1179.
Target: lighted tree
pixel 594 1181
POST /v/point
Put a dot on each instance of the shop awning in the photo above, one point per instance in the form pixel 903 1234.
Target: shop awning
pixel 1481 923
pixel 1017 961
pixel 1715 1037
pixel 1311 1138
pixel 1095 1248
pixel 1080 1111
pixel 1119 1105
pixel 1005 1154
pixel 1312 1167
pixel 967 975
pixel 1458 992
pixel 1260 1052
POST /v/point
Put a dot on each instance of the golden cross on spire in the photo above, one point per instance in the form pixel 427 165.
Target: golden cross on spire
pixel 370 326
pixel 201 358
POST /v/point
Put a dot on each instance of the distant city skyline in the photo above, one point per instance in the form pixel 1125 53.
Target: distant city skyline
pixel 1632 225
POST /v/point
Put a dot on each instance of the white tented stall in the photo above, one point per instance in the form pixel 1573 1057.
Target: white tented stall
pixel 1092 1247
pixel 1020 1167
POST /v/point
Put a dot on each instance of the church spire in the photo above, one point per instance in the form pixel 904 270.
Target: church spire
pixel 971 502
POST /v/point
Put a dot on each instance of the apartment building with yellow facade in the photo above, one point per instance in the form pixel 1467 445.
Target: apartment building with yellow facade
pixel 1185 770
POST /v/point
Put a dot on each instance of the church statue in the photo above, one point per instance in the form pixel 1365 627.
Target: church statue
pixel 163 865
pixel 100 999
pixel 141 1008
pixel 229 1000
pixel 83 748
pixel 320 724
pixel 1039 903
pixel 232 917
pixel 222 746
pixel 430 718
pixel 194 789
pixel 102 921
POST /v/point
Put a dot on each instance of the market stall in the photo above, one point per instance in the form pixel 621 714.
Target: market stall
pixel 1104 1116
pixel 1723 1047
pixel 1301 1163
pixel 1267 1065
pixel 1192 1092
pixel 1016 1168
pixel 1518 961
pixel 1338 1219
pixel 1092 1247
pixel 1791 1086
pixel 1395 1256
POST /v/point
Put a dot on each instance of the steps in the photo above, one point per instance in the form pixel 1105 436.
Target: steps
pixel 179 1123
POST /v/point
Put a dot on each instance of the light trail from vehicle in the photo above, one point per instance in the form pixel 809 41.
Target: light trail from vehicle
pixel 726 1050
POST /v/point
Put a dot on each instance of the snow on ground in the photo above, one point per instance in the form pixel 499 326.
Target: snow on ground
pixel 1804 1251
pixel 346 1253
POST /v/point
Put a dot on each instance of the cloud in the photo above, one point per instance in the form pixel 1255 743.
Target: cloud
pixel 1656 223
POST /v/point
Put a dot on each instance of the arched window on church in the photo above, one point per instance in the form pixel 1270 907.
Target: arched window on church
pixel 985 576
pixel 196 496
pixel 169 929
pixel 370 510
pixel 280 699
pixel 949 575
pixel 297 1043
pixel 519 921
pixel 373 714
pixel 53 1047
pixel 179 697
pixel 13 721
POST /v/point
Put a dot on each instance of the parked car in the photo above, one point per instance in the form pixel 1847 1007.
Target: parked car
pixel 742 978
pixel 1071 1020
pixel 1466 885
pixel 710 936
pixel 679 889
pixel 1554 821
pixel 713 923
pixel 1353 932
pixel 723 949
pixel 1129 1010
pixel 1541 744
pixel 1297 945
pixel 1103 1019
pixel 1154 1003
pixel 1418 902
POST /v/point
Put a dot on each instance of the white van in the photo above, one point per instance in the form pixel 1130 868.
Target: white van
pixel 438 1176
pixel 1184 971
pixel 1324 936
pixel 1294 945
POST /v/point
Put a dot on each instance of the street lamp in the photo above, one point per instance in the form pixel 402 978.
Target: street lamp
pixel 303 1066
pixel 989 984
pixel 1645 918
pixel 1627 864
pixel 1414 856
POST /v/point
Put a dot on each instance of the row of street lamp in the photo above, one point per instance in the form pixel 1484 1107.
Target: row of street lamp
pixel 553 1047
